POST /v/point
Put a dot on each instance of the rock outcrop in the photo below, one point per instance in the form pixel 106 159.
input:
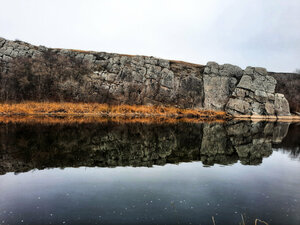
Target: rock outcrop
pixel 255 94
pixel 219 83
pixel 123 79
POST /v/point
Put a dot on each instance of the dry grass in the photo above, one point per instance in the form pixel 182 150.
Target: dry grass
pixel 77 50
pixel 96 109
pixel 187 63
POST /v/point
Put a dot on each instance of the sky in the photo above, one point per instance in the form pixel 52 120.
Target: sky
pixel 263 33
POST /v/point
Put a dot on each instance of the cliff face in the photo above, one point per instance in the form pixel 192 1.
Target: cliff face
pixel 123 79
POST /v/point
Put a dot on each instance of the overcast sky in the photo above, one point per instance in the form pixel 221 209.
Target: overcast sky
pixel 243 32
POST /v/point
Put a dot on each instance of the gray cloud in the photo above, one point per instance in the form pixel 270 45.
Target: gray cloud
pixel 249 32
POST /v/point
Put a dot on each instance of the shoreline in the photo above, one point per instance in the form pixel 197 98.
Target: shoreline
pixel 291 118
pixel 57 112
pixel 86 119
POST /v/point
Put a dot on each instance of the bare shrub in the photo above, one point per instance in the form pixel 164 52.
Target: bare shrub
pixel 289 85
pixel 43 78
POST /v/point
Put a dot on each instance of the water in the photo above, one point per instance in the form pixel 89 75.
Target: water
pixel 134 173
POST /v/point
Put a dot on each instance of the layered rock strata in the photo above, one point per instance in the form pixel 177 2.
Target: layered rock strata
pixel 123 79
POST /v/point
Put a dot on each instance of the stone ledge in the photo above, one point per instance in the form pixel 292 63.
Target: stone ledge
pixel 292 118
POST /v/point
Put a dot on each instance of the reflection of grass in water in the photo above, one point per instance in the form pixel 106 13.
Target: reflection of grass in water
pixel 46 119
pixel 243 221
pixel 261 221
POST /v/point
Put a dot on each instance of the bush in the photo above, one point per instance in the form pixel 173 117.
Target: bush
pixel 289 85
pixel 41 78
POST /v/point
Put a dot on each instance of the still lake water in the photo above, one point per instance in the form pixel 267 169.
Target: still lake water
pixel 134 173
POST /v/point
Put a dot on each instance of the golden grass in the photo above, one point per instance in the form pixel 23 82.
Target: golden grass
pixel 186 63
pixel 96 109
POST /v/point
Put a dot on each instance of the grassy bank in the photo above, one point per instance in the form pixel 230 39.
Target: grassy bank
pixel 104 110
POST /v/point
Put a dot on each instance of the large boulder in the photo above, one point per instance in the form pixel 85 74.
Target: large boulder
pixel 219 83
pixel 281 105
pixel 255 95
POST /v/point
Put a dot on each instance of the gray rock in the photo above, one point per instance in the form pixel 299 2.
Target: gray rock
pixel 257 88
pixel 6 58
pixel 167 78
pixel 269 107
pixel 164 63
pixel 89 58
pixel 257 108
pixel 138 60
pixel 257 79
pixel 124 60
pixel 151 60
pixel 281 105
pixel 261 71
pixel 219 83
pixel 238 106
pixel 231 70
pixel 8 51
pixel 43 49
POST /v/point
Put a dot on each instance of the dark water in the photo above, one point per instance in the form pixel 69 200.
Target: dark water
pixel 109 173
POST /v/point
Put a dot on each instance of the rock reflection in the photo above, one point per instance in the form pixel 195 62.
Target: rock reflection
pixel 28 146
pixel 291 142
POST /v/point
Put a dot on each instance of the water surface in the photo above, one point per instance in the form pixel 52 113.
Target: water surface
pixel 135 173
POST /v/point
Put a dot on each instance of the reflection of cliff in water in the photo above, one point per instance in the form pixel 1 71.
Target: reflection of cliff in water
pixel 25 147
pixel 291 142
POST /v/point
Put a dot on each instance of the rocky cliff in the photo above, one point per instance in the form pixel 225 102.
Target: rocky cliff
pixel 24 147
pixel 123 79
